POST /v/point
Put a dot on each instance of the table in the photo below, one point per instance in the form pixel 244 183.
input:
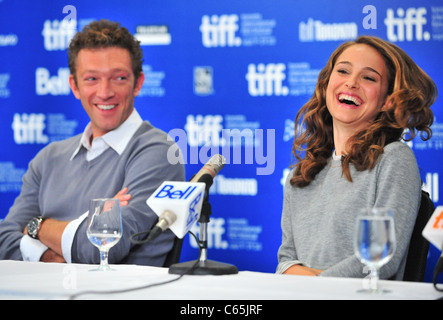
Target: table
pixel 30 280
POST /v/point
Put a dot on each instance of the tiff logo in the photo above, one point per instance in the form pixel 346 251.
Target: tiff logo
pixel 204 130
pixel 57 34
pixel 267 79
pixel 28 128
pixel 401 28
pixel 220 31
pixel 216 231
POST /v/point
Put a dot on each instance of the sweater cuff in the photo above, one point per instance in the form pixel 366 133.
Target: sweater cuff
pixel 283 266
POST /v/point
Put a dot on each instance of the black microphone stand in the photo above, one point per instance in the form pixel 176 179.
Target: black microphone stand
pixel 204 266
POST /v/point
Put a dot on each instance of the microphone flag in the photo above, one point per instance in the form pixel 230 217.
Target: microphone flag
pixel 184 199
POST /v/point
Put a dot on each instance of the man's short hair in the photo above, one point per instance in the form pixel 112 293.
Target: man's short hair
pixel 105 34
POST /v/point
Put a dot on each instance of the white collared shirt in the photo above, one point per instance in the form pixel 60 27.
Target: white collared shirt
pixel 118 139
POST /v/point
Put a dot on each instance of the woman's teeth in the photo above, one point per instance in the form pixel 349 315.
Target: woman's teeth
pixel 344 98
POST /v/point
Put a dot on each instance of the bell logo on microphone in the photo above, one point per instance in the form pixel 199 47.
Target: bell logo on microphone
pixel 168 191
pixel 178 204
pixel 183 200
pixel 194 211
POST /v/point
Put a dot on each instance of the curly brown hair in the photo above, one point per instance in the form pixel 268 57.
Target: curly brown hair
pixel 411 92
pixel 105 34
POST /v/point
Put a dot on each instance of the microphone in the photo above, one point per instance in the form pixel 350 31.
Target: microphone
pixel 178 204
pixel 433 232
pixel 211 168
pixel 165 220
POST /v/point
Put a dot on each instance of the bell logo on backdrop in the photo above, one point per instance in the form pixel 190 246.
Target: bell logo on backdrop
pixel 56 85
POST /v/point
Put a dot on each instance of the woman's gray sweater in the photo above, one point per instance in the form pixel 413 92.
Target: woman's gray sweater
pixel 318 221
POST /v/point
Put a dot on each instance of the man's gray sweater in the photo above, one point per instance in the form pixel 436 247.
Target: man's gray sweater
pixel 60 188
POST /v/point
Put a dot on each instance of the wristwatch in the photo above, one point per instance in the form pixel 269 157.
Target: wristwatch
pixel 34 226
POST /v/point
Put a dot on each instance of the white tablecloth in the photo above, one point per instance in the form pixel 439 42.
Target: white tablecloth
pixel 26 280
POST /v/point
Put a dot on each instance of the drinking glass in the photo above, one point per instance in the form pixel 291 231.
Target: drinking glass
pixel 104 227
pixel 374 244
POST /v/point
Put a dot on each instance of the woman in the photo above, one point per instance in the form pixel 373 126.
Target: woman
pixel 350 157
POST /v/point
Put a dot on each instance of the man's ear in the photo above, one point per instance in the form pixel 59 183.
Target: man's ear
pixel 139 84
pixel 74 87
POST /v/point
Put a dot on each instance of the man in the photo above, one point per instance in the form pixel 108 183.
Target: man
pixel 117 153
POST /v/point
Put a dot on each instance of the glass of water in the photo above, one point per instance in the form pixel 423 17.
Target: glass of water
pixel 104 227
pixel 374 244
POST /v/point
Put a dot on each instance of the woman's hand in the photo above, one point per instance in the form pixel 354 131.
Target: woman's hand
pixel 302 271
